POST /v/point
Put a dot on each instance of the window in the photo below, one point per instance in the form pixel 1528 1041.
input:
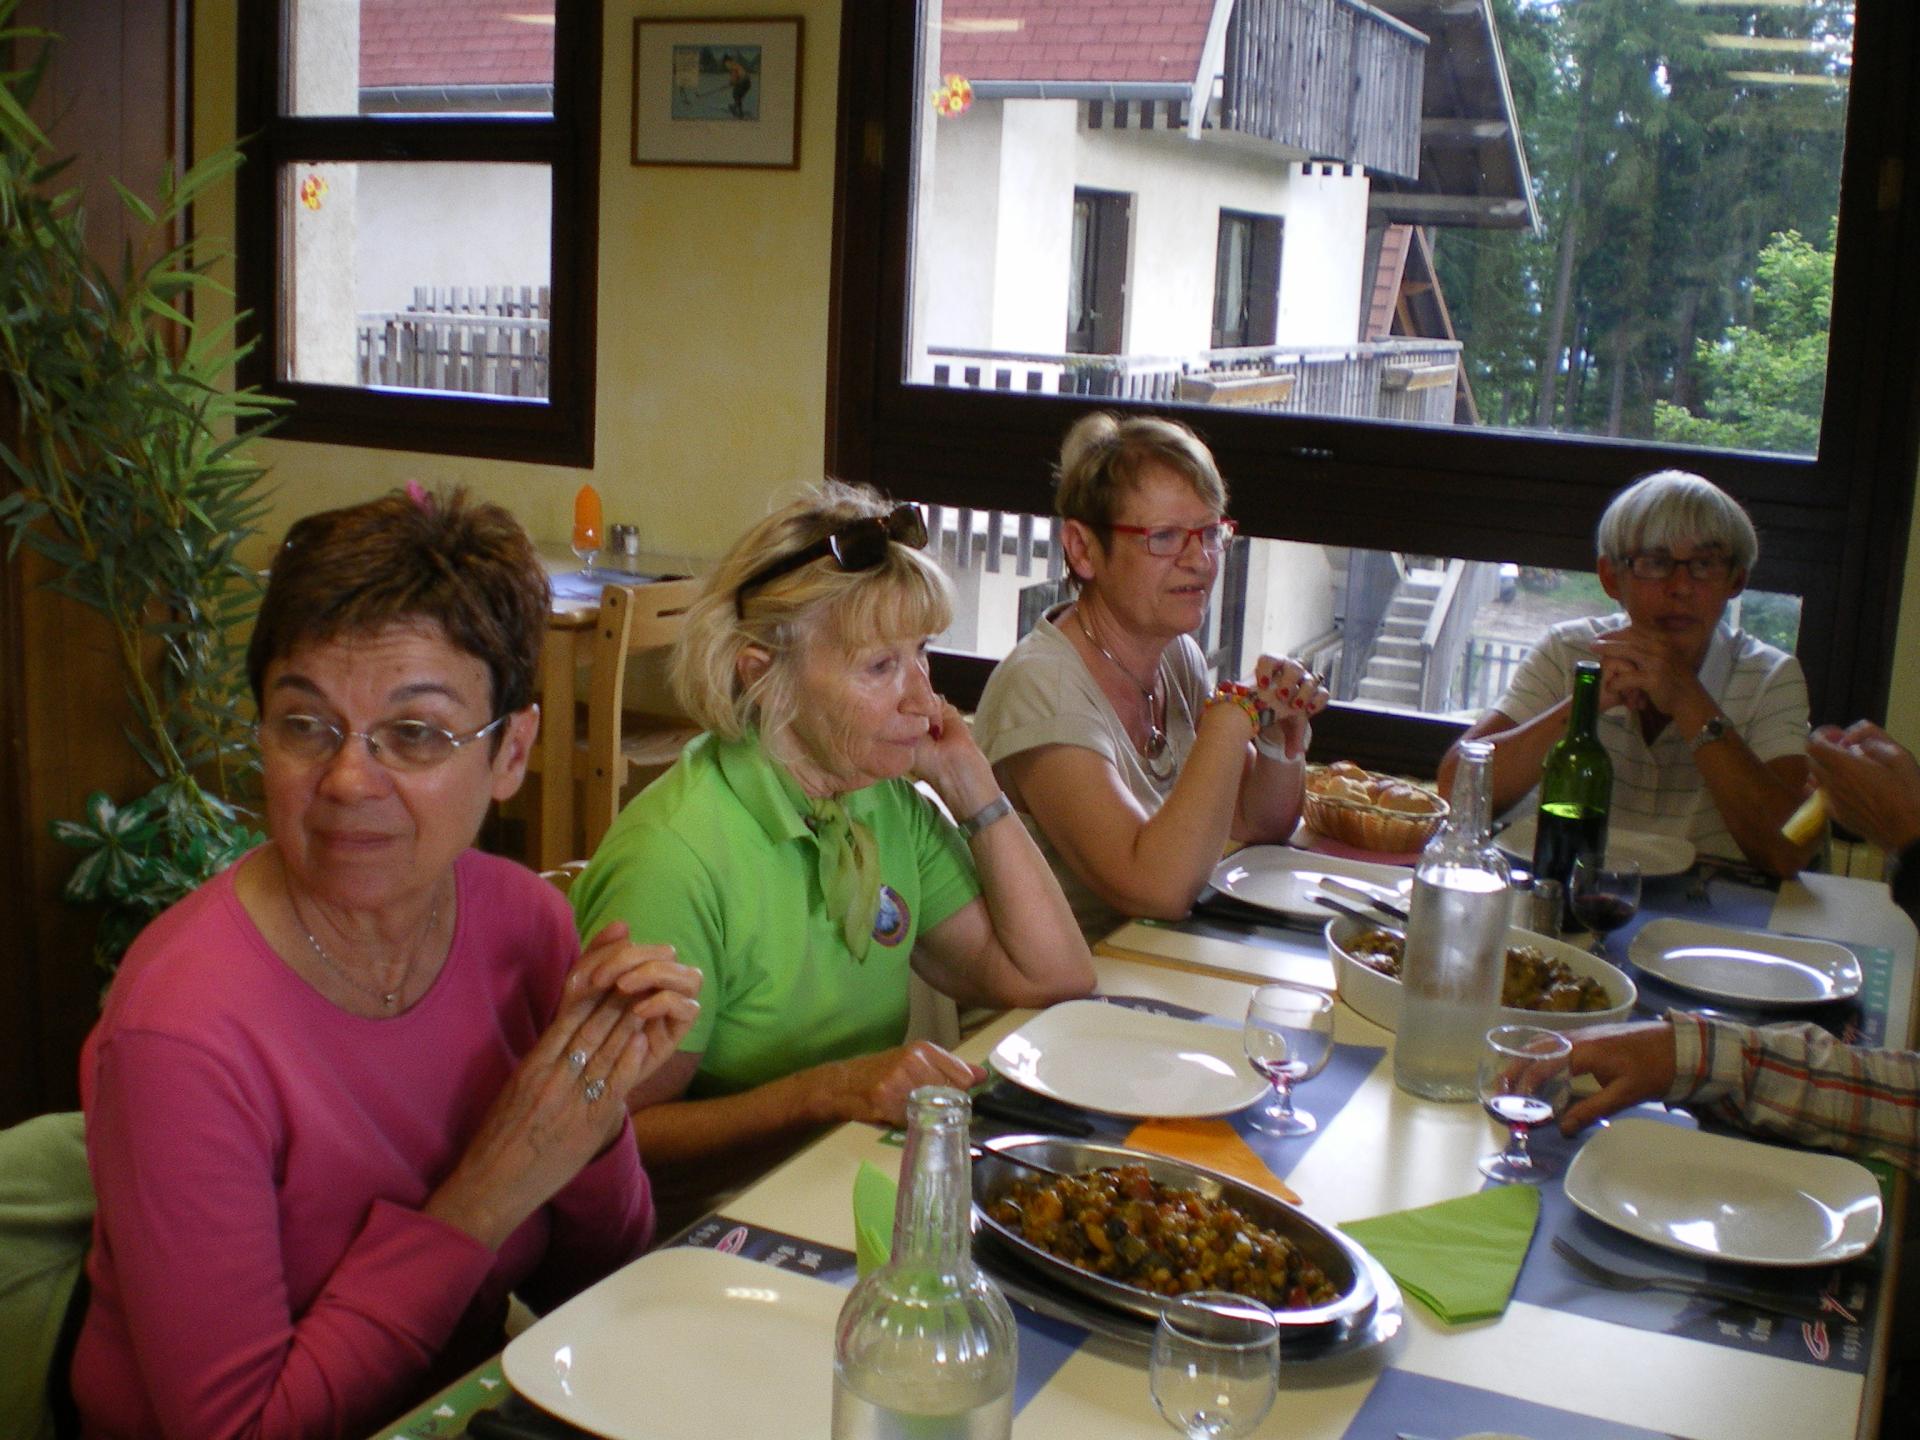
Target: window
pixel 419 221
pixel 1435 391
pixel 1097 274
pixel 1246 280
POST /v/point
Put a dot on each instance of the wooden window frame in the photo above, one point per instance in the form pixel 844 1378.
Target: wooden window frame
pixel 1833 528
pixel 559 430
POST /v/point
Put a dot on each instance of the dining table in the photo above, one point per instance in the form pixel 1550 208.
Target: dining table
pixel 1565 1360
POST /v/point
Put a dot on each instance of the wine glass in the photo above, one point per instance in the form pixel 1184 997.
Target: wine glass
pixel 1604 894
pixel 1216 1364
pixel 1288 1038
pixel 1523 1083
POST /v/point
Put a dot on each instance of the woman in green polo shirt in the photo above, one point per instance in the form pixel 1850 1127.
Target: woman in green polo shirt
pixel 789 857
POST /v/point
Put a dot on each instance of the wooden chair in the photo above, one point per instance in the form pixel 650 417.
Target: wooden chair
pixel 623 746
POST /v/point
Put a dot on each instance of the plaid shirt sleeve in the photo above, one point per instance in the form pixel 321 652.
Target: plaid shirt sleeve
pixel 1800 1083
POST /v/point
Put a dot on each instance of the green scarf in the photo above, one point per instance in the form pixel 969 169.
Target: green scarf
pixel 849 864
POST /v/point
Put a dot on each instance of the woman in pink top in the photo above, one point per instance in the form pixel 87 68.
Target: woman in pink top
pixel 357 1089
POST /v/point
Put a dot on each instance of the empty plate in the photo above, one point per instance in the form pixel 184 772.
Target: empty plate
pixel 1658 854
pixel 1751 967
pixel 588 1361
pixel 1721 1198
pixel 1129 1062
pixel 1284 880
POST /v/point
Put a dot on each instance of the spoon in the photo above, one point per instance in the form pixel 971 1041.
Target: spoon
pixel 981 1152
pixel 1362 916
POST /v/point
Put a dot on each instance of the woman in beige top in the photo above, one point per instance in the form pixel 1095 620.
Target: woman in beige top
pixel 1128 767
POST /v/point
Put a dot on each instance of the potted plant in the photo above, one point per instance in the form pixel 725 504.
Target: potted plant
pixel 127 471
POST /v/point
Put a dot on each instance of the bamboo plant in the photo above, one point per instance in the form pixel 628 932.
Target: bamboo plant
pixel 127 470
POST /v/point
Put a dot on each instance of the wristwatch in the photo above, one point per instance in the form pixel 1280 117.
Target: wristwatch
pixel 995 809
pixel 1715 729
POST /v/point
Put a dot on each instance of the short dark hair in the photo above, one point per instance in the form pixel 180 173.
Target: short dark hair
pixel 445 559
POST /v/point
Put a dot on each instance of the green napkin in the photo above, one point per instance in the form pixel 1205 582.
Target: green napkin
pixel 874 1192
pixel 1458 1258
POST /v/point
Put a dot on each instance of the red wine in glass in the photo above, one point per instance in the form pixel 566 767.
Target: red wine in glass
pixel 1603 913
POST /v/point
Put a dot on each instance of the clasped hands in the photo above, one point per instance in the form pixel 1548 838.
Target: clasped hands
pixel 1640 673
pixel 1293 694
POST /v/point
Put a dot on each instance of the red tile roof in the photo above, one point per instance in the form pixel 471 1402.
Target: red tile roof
pixel 456 42
pixel 1112 40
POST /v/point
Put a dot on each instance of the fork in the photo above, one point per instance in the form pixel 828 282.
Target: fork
pixel 1611 1279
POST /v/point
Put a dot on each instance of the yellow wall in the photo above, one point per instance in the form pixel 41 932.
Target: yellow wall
pixel 713 321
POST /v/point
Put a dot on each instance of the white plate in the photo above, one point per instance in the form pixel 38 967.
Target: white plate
pixel 1284 880
pixel 1751 967
pixel 596 1362
pixel 1129 1062
pixel 1725 1199
pixel 1658 854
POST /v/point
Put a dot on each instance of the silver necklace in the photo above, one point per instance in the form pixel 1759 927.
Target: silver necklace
pixel 387 998
pixel 1156 741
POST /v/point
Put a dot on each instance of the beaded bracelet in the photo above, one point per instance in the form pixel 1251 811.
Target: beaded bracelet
pixel 1229 693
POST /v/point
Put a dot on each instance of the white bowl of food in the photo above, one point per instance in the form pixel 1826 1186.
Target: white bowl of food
pixel 1549 982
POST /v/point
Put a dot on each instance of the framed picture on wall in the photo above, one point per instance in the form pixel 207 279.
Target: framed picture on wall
pixel 717 92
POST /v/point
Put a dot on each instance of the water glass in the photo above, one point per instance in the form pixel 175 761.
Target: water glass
pixel 1288 1038
pixel 1215 1365
pixel 1523 1083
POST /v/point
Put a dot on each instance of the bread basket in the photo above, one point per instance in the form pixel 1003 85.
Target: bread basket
pixel 1372 827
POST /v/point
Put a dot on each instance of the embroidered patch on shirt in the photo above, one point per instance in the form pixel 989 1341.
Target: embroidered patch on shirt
pixel 891 924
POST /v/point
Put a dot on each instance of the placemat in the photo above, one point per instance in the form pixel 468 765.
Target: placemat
pixel 1402 1403
pixel 1849 1293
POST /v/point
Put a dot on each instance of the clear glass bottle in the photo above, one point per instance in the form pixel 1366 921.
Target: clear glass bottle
pixel 926 1346
pixel 1456 944
pixel 1576 789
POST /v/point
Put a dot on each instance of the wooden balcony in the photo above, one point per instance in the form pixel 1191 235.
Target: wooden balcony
pixel 1336 79
pixel 1411 380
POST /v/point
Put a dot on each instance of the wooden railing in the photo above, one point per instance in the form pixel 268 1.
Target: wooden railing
pixel 487 340
pixel 1326 77
pixel 1410 380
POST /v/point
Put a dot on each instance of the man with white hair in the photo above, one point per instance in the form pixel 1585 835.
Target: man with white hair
pixel 1706 725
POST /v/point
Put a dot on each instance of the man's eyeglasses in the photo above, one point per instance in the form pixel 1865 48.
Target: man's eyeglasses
pixel 1709 568
pixel 1166 541
pixel 401 745
pixel 858 545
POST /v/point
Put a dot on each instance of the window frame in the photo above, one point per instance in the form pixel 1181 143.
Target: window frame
pixel 1833 528
pixel 559 430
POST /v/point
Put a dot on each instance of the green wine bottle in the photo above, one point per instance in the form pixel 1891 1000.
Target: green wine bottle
pixel 1576 788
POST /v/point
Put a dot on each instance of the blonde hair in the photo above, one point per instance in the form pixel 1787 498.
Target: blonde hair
pixel 1671 507
pixel 905 595
pixel 1102 456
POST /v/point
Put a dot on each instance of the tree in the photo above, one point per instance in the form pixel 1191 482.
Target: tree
pixel 1762 384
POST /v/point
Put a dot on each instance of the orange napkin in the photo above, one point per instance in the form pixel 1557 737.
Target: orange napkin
pixel 1213 1144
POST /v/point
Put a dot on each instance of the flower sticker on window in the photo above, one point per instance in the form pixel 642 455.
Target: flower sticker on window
pixel 953 97
pixel 313 192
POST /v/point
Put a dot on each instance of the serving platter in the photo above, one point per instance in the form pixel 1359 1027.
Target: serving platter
pixel 1120 1061
pixel 1346 1265
pixel 1658 854
pixel 1376 996
pixel 1716 1197
pixel 1749 967
pixel 1283 880
pixel 586 1361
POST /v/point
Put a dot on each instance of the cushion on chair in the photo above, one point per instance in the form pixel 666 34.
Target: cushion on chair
pixel 46 1224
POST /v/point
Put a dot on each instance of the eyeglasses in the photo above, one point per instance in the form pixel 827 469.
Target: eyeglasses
pixel 401 745
pixel 1658 565
pixel 858 545
pixel 1167 541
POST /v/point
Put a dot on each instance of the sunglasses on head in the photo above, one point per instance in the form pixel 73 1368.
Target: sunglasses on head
pixel 858 545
